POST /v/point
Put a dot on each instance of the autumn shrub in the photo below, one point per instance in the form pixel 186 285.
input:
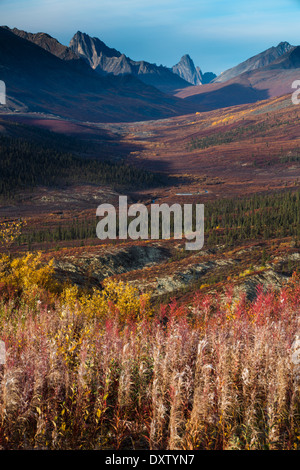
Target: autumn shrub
pixel 9 232
pixel 26 276
pixel 115 299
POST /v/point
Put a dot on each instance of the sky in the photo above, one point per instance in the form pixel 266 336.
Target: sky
pixel 217 34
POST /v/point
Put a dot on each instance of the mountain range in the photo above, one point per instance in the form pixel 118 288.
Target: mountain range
pixel 266 75
pixel 43 75
pixel 105 60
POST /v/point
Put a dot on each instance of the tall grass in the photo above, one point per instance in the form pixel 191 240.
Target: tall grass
pixel 216 375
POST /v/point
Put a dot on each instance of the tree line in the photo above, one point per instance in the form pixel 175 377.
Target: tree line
pixel 26 164
pixel 228 221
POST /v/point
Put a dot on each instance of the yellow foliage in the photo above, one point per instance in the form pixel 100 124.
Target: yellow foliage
pixel 9 232
pixel 220 121
pixel 230 308
pixel 27 273
pixel 126 299
pixel 245 273
pixel 115 299
pixel 69 296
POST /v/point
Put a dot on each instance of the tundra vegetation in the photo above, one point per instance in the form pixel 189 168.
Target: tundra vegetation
pixel 228 222
pixel 106 369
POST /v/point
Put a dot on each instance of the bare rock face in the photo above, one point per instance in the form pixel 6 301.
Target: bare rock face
pixel 44 77
pixel 207 77
pixel 289 60
pixel 258 61
pixel 269 280
pixel 109 262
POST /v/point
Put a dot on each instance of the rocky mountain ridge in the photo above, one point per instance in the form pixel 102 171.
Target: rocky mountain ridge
pixel 263 59
pixel 186 69
pixel 105 60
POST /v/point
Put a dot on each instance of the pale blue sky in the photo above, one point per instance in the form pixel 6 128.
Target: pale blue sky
pixel 217 34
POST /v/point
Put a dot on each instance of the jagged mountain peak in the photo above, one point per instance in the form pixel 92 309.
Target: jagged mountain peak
pixel 284 44
pixel 186 58
pixel 186 69
pixel 91 48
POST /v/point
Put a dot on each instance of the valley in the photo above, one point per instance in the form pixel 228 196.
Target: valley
pixel 243 152
pixel 138 343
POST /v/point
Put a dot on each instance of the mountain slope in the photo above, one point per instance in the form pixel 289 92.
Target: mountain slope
pixel 39 81
pixel 265 82
pixel 263 59
pixel 47 42
pixel 105 61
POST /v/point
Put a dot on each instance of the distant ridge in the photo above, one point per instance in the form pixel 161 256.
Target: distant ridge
pixel 271 81
pixel 105 60
pixel 43 76
pixel 47 42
